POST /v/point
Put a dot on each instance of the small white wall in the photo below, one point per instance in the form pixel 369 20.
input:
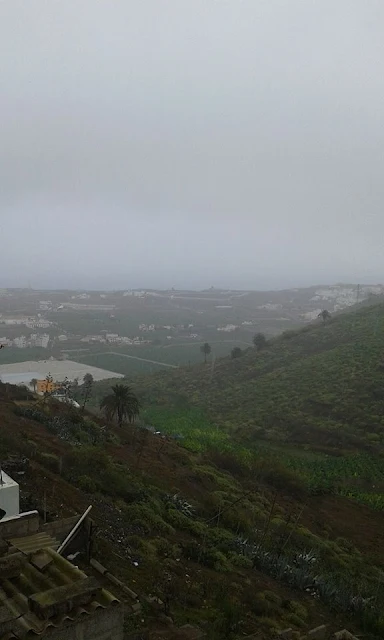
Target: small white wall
pixel 9 496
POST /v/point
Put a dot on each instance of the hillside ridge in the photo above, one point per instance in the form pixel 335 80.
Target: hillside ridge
pixel 325 377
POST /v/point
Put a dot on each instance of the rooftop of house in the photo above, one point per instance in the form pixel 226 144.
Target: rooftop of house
pixel 40 590
pixel 6 480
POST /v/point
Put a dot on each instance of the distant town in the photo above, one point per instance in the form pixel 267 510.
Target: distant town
pixel 137 331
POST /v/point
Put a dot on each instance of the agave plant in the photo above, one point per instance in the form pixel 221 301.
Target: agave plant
pixel 180 504
pixel 240 541
pixel 303 579
pixel 326 588
pixel 303 558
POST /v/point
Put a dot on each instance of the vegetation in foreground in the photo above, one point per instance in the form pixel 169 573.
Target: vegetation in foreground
pixel 237 544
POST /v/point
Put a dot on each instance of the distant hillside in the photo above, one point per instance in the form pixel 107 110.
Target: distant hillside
pixel 322 384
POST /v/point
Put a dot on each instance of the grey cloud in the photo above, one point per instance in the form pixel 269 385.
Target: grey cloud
pixel 191 142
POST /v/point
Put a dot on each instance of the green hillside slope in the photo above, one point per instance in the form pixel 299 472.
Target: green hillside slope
pixel 235 553
pixel 322 385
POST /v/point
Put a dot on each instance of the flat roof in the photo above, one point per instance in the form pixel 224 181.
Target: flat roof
pixel 7 481
pixel 23 372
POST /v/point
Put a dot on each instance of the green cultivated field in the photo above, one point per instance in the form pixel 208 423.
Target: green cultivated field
pixel 180 354
pixel 359 477
pixel 175 354
pixel 119 364
pixel 13 354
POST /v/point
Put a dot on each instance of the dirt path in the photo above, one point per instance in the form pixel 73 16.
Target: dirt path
pixel 125 355
pixel 197 343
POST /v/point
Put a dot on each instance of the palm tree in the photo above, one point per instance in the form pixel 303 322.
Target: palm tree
pixel 206 350
pixel 33 383
pixel 260 341
pixel 325 315
pixel 121 403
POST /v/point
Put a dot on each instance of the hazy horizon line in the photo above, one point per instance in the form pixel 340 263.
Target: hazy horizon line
pixel 194 289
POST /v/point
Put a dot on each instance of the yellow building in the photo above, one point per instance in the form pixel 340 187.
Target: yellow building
pixel 43 386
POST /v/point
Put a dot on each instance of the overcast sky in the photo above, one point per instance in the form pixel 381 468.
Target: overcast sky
pixel 191 143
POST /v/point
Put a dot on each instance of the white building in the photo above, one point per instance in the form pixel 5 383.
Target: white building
pixel 112 337
pixel 38 324
pixel 228 328
pixel 81 296
pixel 269 306
pixel 9 496
pixel 135 294
pixel 146 327
pixel 20 342
pixel 15 321
pixel 344 296
pixel 93 338
pixel 39 340
pixel 42 324
pixel 43 340
pixel 311 315
pixel 45 305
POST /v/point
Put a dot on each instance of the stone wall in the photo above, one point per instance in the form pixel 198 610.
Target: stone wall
pixel 25 524
pixel 104 624
pixel 59 529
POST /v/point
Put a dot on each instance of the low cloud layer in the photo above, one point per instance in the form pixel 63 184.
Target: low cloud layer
pixel 191 143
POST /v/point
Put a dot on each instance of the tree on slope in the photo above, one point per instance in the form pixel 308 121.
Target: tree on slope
pixel 33 384
pixel 324 315
pixel 48 387
pixel 260 341
pixel 64 388
pixel 87 389
pixel 206 350
pixel 121 404
pixel 236 353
